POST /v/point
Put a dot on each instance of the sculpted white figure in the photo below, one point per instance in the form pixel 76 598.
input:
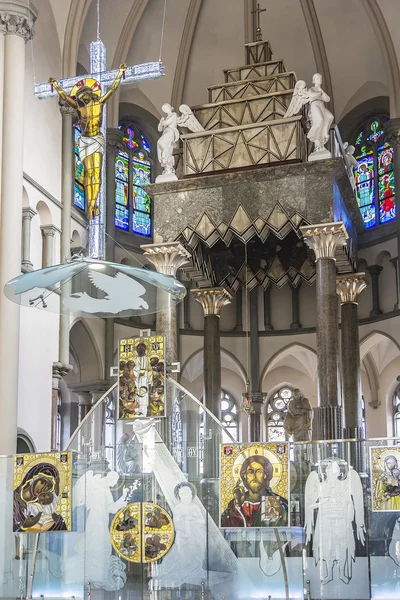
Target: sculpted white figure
pixel 298 420
pixel 320 117
pixel 336 493
pixel 168 126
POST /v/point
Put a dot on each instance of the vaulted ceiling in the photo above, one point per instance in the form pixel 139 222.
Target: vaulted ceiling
pixel 355 44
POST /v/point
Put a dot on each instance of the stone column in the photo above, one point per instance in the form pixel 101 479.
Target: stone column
pixel 267 308
pixel 114 145
pixel 27 216
pixel 48 233
pixel 59 371
pixel 239 310
pixel 16 24
pixel 212 300
pixel 167 259
pixel 394 263
pixel 324 239
pixel 375 271
pixel 349 287
pixel 186 308
pixel 257 397
pixel 295 324
pixel 392 131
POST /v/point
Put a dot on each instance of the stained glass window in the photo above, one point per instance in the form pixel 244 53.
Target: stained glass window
pixel 374 175
pixel 132 172
pixel 277 409
pixel 79 190
pixel 396 412
pixel 122 191
pixel 141 203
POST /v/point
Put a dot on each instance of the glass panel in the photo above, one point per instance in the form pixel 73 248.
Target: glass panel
pixel 146 145
pixel 365 188
pixel 122 191
pixel 359 138
pixel 141 220
pixel 387 209
pixel 129 138
pixel 375 131
pixel 79 191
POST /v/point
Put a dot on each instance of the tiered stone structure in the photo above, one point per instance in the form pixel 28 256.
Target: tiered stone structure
pixel 244 119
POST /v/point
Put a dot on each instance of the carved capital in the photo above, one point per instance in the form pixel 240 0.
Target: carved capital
pixel 60 370
pixel 325 238
pixel 49 230
pixel 115 141
pixel 350 286
pixel 66 109
pixel 17 17
pixel 28 213
pixel 168 257
pixel 392 132
pixel 212 300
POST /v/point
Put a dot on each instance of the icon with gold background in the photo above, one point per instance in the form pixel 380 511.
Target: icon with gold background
pixel 141 377
pixel 254 485
pixel 385 474
pixel 42 492
pixel 142 532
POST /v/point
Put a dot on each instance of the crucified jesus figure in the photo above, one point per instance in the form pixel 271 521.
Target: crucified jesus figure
pixel 89 104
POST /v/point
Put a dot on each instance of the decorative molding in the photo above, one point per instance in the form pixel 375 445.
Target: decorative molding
pixel 168 257
pixel 41 189
pixel 17 17
pixel 189 29
pixel 76 19
pixel 318 46
pixel 212 300
pixel 349 287
pixel 385 41
pixel 325 238
pixel 121 52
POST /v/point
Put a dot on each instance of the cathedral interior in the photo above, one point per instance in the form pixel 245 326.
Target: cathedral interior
pixel 199 303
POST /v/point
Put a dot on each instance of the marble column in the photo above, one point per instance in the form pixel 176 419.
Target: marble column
pixel 324 239
pixel 375 271
pixel 59 371
pixel 48 233
pixel 186 308
pixel 394 263
pixel 349 287
pixel 239 310
pixel 167 259
pixel 257 397
pixel 392 135
pixel 267 308
pixel 115 144
pixel 27 216
pixel 212 300
pixel 16 25
pixel 295 324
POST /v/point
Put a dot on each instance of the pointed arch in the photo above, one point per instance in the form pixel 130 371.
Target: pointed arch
pixel 306 356
pixel 227 360
pixel 73 30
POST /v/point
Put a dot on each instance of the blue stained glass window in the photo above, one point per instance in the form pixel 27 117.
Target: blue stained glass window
pixel 146 145
pixel 79 190
pixel 122 191
pixel 374 175
pixel 141 205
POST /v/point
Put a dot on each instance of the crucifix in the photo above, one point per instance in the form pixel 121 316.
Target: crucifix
pixel 257 12
pixel 88 95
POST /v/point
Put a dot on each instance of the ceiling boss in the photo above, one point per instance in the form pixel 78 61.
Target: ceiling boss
pixel 87 100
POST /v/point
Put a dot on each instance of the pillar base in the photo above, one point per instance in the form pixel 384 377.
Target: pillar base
pixel 328 421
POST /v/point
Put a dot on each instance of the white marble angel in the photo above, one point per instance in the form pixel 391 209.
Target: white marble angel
pixel 320 117
pixel 336 493
pixel 168 126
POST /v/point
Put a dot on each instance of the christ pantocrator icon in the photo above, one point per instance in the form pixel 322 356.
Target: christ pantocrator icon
pixel 87 100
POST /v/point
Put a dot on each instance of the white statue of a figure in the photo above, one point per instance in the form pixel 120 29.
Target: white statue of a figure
pixel 319 116
pixel 168 126
pixel 336 493
pixel 102 569
pixel 299 417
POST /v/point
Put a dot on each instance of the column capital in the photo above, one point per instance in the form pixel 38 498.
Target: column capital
pixel 60 370
pixel 324 238
pixel 350 286
pixel 374 269
pixel 167 257
pixel 212 299
pixel 17 17
pixel 115 141
pixel 66 109
pixel 392 132
pixel 49 230
pixel 28 213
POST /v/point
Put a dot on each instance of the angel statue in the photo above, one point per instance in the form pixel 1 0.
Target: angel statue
pixel 335 492
pixel 170 135
pixel 319 116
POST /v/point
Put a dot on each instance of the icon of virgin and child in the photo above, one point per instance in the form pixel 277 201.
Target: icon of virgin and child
pixel 254 503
